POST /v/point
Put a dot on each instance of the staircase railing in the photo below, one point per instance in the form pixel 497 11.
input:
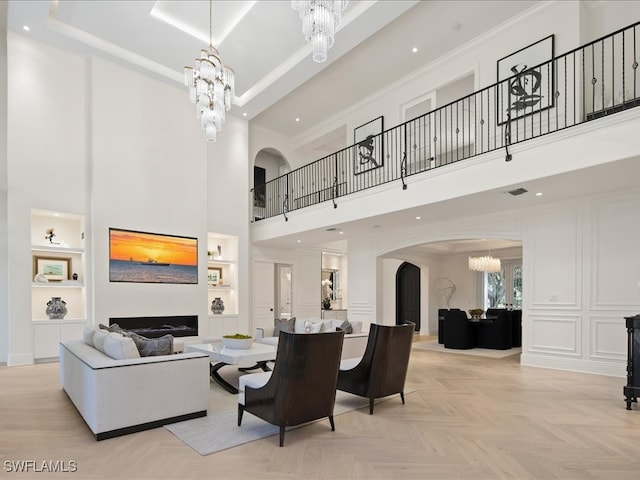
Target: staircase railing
pixel 592 81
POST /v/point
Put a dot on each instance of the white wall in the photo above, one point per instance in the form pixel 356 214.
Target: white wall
pixel 125 151
pixel 46 162
pixel 580 276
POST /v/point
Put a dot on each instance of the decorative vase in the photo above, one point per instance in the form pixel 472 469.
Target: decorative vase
pixel 217 306
pixel 326 304
pixel 56 308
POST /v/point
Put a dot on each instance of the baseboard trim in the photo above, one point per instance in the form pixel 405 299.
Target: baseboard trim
pixel 148 426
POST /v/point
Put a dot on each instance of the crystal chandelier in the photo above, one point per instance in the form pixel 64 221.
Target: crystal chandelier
pixel 487 264
pixel 211 86
pixel 320 20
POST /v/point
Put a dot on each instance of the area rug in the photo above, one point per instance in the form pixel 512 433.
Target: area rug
pixel 219 429
pixel 433 345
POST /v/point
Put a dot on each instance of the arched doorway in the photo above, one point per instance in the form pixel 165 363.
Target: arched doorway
pixel 408 294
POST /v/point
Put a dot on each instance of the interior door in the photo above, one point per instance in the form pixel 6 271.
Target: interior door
pixel 263 294
pixel 408 295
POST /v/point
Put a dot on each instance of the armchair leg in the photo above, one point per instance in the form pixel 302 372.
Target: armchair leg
pixel 282 435
pixel 402 397
pixel 240 412
pixel 371 406
pixel 333 426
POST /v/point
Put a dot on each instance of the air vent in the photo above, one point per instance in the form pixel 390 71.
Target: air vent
pixel 517 191
pixel 331 229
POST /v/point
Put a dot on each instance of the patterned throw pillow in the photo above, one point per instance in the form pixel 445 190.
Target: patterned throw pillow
pixel 312 327
pixel 347 327
pixel 283 325
pixel 152 347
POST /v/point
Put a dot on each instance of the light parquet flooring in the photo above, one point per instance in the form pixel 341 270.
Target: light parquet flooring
pixel 469 418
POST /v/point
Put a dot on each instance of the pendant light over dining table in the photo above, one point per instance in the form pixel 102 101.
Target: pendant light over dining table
pixel 211 86
pixel 487 264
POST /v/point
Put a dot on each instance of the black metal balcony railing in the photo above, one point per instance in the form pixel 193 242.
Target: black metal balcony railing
pixel 592 81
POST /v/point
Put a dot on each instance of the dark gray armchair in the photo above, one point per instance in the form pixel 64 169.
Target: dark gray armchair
pixel 302 386
pixel 383 368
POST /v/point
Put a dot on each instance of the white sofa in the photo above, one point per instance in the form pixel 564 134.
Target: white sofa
pixel 117 397
pixel 353 346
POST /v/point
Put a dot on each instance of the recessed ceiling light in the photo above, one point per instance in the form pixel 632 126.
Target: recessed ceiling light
pixel 299 241
pixel 56 214
pixel 340 232
pixel 539 194
pixel 414 49
pixel 297 119
pixel 418 218
pixel 26 28
pixel 244 114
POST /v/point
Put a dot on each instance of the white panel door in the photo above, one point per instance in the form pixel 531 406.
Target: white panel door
pixel 263 294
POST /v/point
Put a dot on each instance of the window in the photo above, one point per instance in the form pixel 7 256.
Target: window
pixel 504 289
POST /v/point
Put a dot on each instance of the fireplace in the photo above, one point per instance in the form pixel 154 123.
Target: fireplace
pixel 154 327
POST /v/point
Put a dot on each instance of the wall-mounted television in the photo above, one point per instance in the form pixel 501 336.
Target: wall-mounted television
pixel 143 257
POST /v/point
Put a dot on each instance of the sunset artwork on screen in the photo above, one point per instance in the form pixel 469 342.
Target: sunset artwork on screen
pixel 143 257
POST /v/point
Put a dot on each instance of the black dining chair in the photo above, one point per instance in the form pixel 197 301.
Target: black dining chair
pixel 459 332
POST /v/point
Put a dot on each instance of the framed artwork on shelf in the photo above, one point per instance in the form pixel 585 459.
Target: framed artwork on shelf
pixel 526 81
pixel 143 257
pixel 368 149
pixel 214 276
pixel 54 269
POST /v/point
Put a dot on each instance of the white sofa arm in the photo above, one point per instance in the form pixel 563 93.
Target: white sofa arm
pixel 263 332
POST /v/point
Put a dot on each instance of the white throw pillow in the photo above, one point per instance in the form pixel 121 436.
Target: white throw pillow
pixel 312 327
pixel 327 326
pixel 87 335
pixel 300 325
pixel 119 347
pixel 98 339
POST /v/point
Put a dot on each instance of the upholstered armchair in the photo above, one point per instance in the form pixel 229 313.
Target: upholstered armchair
pixel 302 385
pixel 383 368
pixel 459 332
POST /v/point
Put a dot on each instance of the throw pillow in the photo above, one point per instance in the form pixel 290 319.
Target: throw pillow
pixel 152 347
pixel 283 325
pixel 312 327
pixel 120 348
pixel 347 327
pixel 98 339
pixel 87 335
pixel 114 327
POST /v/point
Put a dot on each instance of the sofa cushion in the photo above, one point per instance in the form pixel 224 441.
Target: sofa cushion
pixel 284 325
pixel 151 347
pixel 120 348
pixel 253 380
pixel 356 325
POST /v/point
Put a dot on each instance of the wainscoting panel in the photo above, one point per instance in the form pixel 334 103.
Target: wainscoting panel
pixel 558 334
pixel 615 279
pixel 554 253
pixel 608 337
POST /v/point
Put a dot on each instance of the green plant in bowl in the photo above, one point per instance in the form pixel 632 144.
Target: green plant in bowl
pixel 237 341
pixel 238 336
pixel 476 312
